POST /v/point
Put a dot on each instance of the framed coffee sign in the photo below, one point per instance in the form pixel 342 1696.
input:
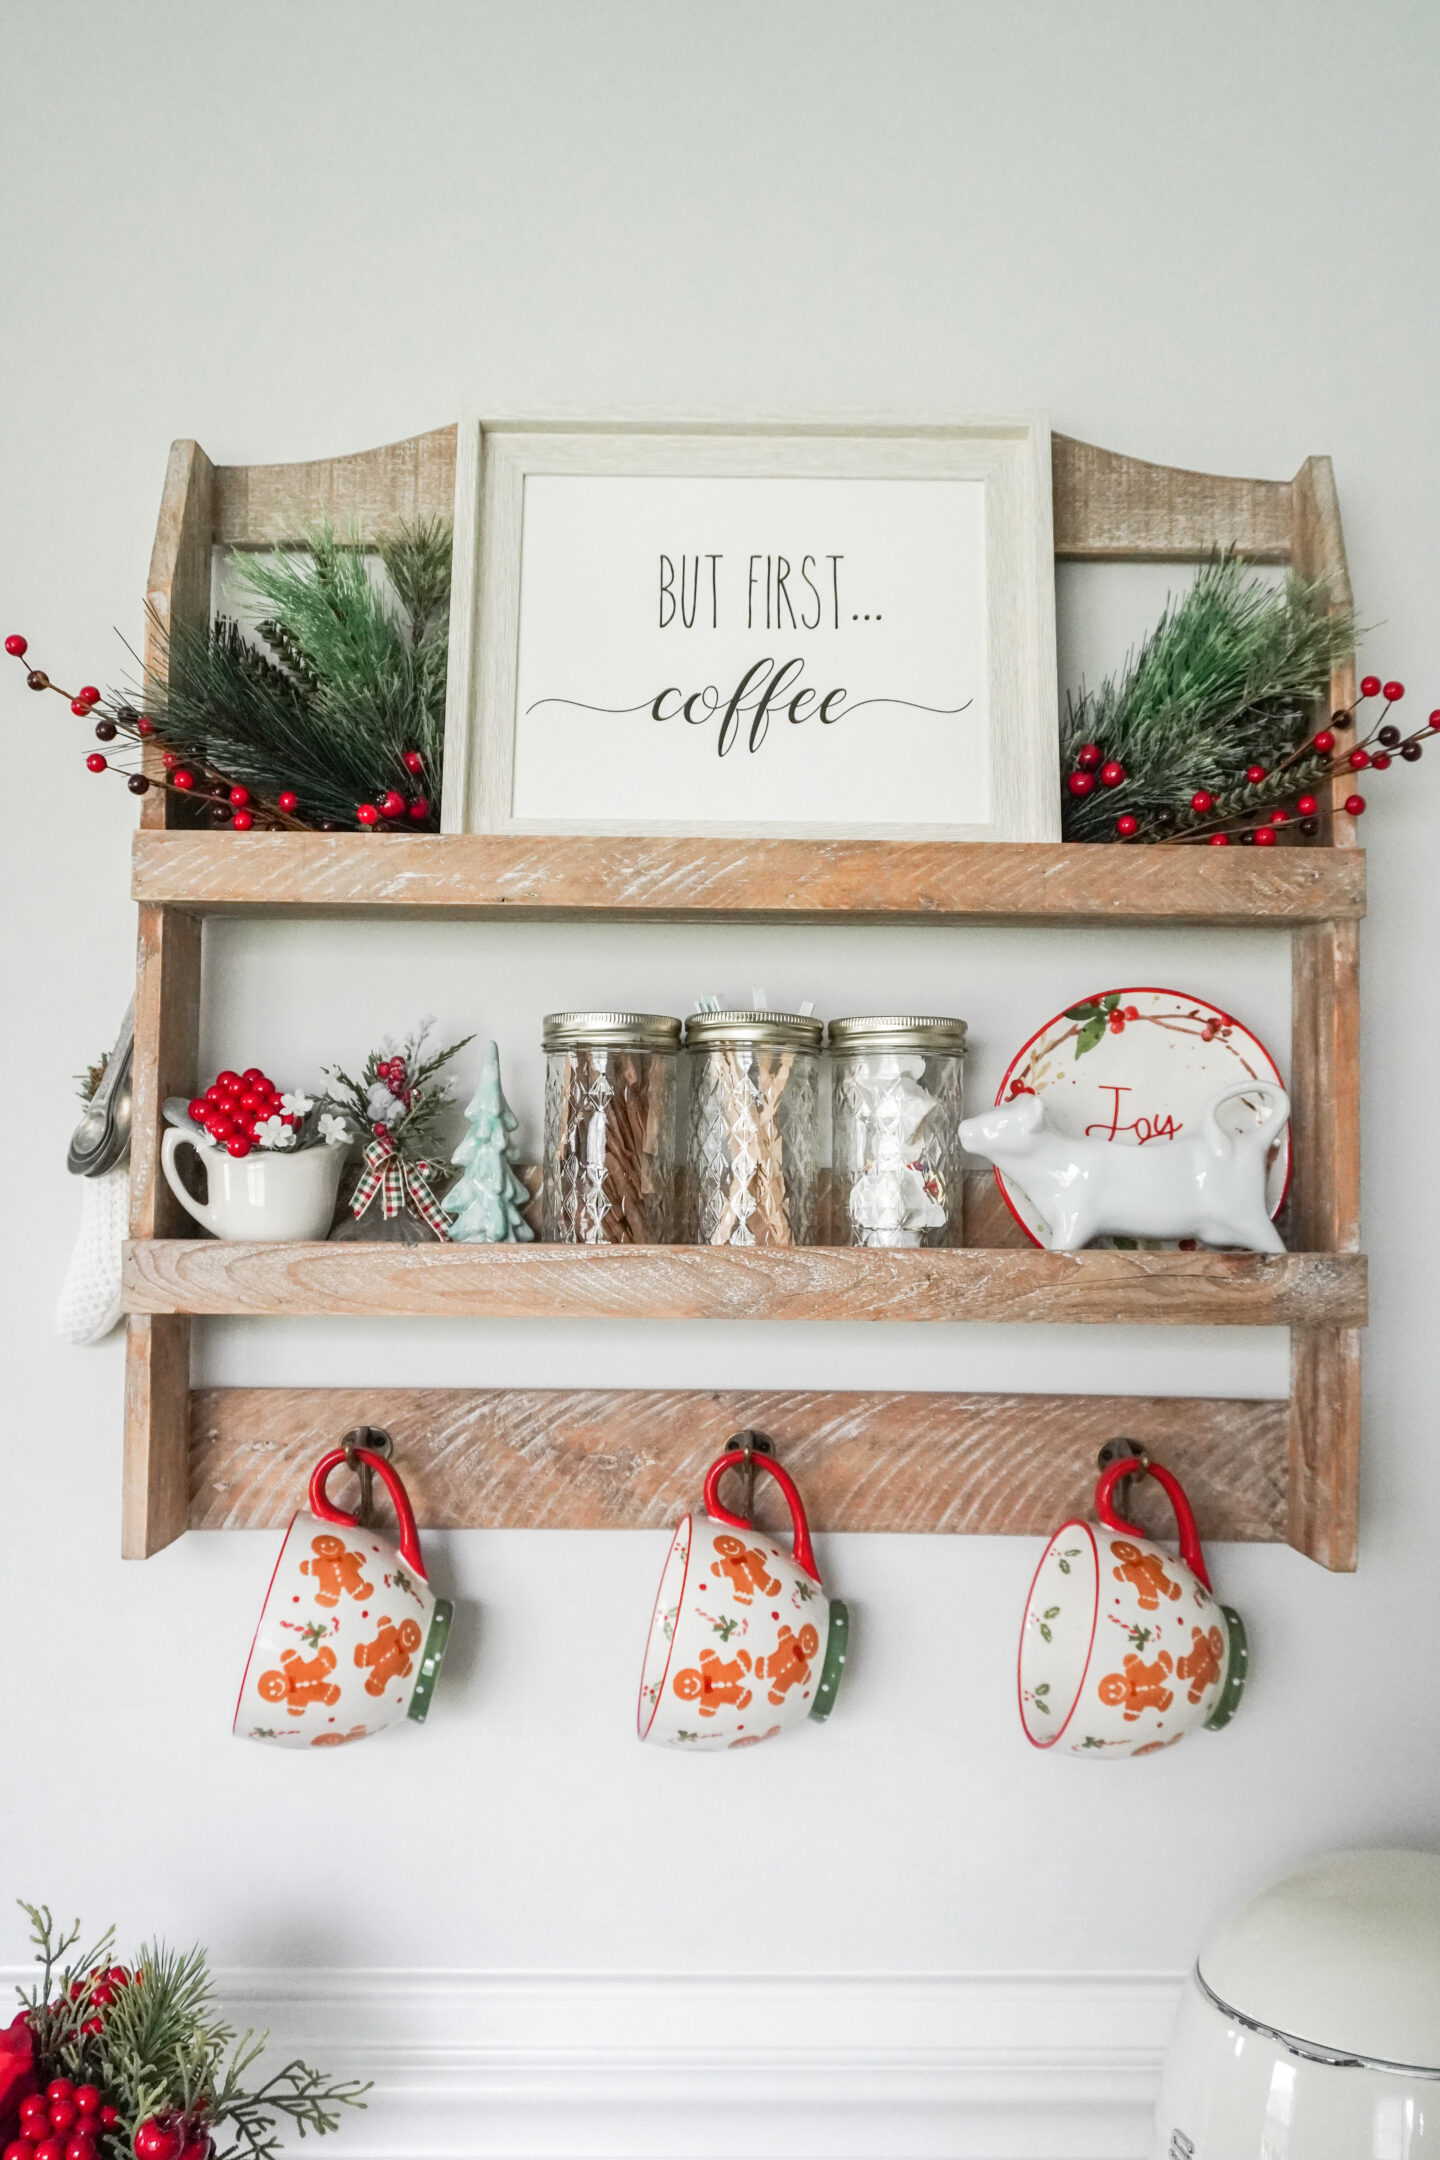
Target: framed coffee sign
pixel 809 631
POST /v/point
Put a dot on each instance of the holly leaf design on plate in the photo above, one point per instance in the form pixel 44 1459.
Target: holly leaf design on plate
pixel 1081 1012
pixel 1092 1033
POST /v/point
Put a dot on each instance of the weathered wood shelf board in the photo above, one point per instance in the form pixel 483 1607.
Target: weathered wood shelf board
pixel 484 876
pixel 700 1282
pixel 238 1457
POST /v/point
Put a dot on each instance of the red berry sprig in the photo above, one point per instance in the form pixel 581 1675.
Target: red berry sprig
pixel 229 802
pixel 1374 752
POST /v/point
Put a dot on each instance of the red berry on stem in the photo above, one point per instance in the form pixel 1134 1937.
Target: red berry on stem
pixel 1324 742
pixel 18 2149
pixel 144 725
pixel 81 708
pixel 182 777
pixel 1255 774
pixel 1355 804
pixel 1127 826
pixel 1435 721
pixel 1219 839
pixel 239 796
pixel 1358 760
pixel 238 1146
pixel 95 762
pixel 1264 838
pixel 1080 783
pixel 252 1075
pixel 288 800
pixel 91 695
pixel 392 804
pixel 1278 817
pixel 87 2099
pixel 1370 686
pixel 413 762
pixel 109 2117
pixel 1394 691
pixel 242 821
pixel 156 2140
pixel 51 2148
pixel 62 2115
pixel 367 814
pixel 1380 761
pixel 81 2146
pixel 379 1130
pixel 1112 773
pixel 1306 805
pixel 17 646
pixel 230 1081
pixel 1201 801
pixel 420 808
pixel 169 760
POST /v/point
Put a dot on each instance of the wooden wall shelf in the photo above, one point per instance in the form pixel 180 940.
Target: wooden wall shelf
pixel 613 1459
pixel 700 1282
pixel 491 877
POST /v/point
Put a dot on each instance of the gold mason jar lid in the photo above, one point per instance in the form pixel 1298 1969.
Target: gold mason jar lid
pixel 892 1031
pixel 610 1031
pixel 786 1031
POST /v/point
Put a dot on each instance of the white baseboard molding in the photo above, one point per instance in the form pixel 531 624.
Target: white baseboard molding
pixel 534 2066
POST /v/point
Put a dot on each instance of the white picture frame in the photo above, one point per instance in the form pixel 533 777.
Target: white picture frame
pixel 563 658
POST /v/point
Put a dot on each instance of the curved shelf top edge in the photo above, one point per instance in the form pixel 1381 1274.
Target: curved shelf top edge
pixel 785 880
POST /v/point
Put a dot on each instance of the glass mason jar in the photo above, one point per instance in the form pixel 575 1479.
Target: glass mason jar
pixel 609 1171
pixel 754 1098
pixel 895 1140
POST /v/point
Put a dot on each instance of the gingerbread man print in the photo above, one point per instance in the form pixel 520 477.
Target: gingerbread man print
pixel 719 1682
pixel 1201 1663
pixel 745 1566
pixel 336 1569
pixel 389 1655
pixel 789 1664
pixel 301 1681
pixel 1140 1687
pixel 1146 1571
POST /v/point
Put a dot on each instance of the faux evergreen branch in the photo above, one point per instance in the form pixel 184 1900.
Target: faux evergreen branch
pixel 342 703
pixel 172 2074
pixel 1228 679
pixel 397 1089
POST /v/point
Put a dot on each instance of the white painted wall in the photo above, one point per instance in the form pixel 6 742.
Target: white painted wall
pixel 1205 236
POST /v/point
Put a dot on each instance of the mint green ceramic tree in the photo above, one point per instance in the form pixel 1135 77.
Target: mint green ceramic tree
pixel 487 1197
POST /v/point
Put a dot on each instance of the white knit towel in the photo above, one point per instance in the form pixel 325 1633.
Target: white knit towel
pixel 90 1296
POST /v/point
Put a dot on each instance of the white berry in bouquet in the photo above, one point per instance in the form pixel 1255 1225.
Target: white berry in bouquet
pixel 487 1198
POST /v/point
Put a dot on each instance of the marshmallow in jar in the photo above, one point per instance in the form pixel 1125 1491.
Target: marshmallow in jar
pixel 896 1110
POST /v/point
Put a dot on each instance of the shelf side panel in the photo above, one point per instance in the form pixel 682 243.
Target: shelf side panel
pixel 609 1459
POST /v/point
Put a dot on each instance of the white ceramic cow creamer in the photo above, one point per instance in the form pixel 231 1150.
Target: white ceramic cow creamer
pixel 1208 1185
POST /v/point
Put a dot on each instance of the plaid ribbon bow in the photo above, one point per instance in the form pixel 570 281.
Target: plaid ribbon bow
pixel 398 1181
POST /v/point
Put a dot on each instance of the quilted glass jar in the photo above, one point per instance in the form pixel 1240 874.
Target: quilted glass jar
pixel 609 1171
pixel 754 1102
pixel 896 1106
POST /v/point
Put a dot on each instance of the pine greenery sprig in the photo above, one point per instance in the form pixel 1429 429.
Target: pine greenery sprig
pixel 397 1089
pixel 154 2045
pixel 349 676
pixel 1228 678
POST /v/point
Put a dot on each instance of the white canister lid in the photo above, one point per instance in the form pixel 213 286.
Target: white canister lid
pixel 1344 1957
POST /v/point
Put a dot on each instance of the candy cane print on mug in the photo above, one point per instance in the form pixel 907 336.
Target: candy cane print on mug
pixel 743 1641
pixel 1124 1648
pixel 351 1636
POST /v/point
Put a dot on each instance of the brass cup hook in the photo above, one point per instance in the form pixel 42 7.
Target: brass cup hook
pixel 1119 1451
pixel 748 1445
pixel 379 1442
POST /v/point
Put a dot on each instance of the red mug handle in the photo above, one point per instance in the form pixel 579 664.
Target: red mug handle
pixel 804 1557
pixel 326 1510
pixel 1190 1551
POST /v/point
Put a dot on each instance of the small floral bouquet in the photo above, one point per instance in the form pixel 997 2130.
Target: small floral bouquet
pixel 118 2062
pixel 241 1111
pixel 398 1101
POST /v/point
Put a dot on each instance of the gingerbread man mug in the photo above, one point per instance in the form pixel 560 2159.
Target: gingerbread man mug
pixel 1124 1649
pixel 743 1641
pixel 351 1636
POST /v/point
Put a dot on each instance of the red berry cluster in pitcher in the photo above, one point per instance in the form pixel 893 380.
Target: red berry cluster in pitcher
pixel 65 2122
pixel 239 1111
